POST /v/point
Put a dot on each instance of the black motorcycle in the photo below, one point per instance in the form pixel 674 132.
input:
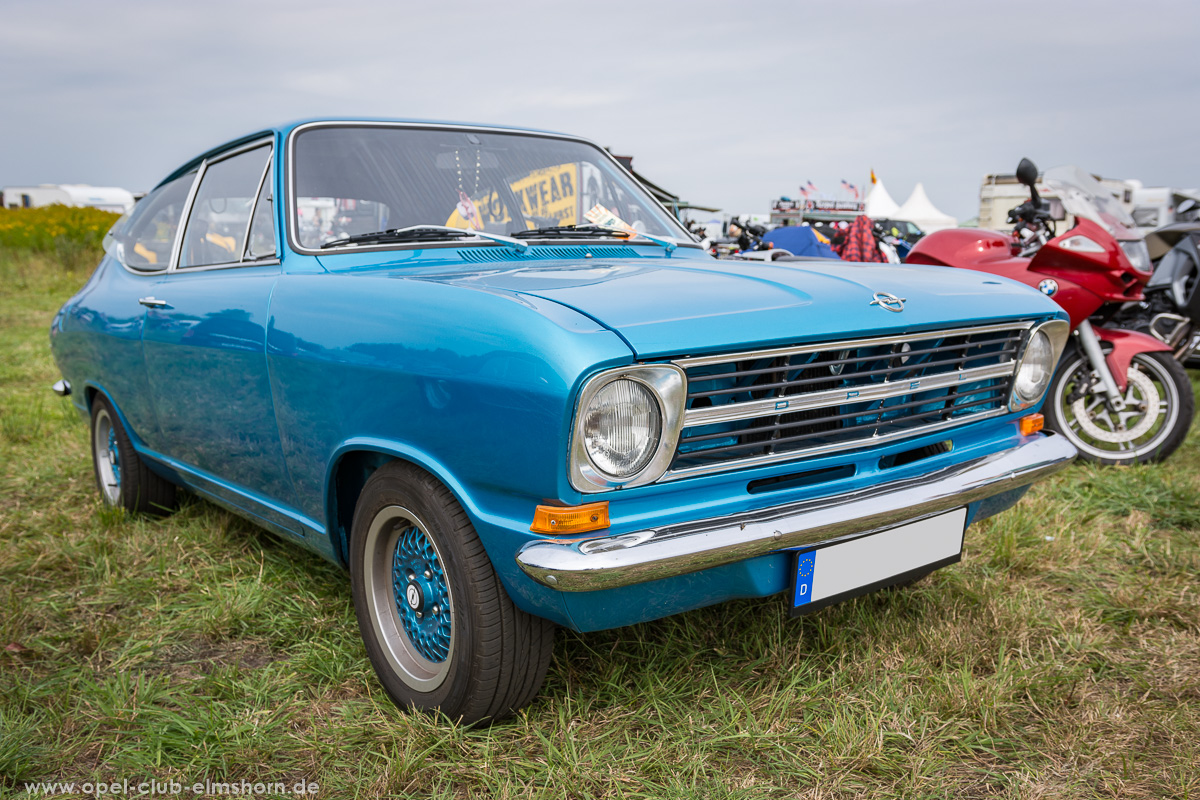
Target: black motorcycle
pixel 1171 310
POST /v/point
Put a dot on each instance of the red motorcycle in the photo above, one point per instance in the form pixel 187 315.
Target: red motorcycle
pixel 1118 395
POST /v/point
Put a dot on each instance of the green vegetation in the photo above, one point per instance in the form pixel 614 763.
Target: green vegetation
pixel 70 237
pixel 1060 659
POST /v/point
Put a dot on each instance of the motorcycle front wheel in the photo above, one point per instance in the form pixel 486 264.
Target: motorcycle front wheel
pixel 1158 410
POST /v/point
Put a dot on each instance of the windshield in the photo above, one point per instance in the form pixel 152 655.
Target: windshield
pixel 349 181
pixel 1084 196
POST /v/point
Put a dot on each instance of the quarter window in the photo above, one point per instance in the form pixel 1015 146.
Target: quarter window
pixel 216 229
pixel 144 239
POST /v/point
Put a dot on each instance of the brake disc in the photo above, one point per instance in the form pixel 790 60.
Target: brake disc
pixel 1141 404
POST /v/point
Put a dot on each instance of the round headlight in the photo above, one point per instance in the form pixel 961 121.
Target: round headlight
pixel 1037 367
pixel 621 428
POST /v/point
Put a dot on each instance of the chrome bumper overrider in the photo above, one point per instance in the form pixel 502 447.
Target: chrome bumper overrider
pixel 607 562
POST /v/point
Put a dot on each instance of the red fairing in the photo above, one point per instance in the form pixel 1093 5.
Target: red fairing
pixel 988 251
pixel 961 247
pixel 1126 345
pixel 1085 280
pixel 1107 274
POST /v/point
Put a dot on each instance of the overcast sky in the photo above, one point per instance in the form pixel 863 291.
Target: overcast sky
pixel 724 103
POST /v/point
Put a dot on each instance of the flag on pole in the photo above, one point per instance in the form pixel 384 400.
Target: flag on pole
pixel 874 180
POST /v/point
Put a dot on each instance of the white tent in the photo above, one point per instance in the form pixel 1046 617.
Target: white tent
pixel 880 204
pixel 919 209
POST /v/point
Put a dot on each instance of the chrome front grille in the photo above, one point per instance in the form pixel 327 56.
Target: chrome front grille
pixel 773 405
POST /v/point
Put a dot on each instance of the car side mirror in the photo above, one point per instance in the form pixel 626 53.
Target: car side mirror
pixel 1027 172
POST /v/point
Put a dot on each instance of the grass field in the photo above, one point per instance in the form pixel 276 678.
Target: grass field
pixel 1061 659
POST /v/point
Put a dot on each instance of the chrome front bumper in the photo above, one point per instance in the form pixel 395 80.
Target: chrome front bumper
pixel 608 562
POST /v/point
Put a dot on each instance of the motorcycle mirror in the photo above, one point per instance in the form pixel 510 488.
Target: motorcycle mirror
pixel 1027 172
pixel 1185 206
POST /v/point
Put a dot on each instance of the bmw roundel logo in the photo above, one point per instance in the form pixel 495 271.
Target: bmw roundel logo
pixel 1048 287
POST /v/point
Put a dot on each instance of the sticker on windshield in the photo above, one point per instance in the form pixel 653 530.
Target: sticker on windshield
pixel 602 217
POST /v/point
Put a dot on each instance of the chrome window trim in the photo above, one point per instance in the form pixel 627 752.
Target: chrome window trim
pixel 263 262
pixel 668 385
pixel 268 141
pixel 254 207
pixel 177 245
pixel 291 231
pixel 704 361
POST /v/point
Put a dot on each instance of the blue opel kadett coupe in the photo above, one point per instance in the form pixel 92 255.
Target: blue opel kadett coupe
pixel 486 372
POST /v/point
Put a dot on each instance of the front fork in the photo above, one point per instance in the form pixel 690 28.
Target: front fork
pixel 1090 343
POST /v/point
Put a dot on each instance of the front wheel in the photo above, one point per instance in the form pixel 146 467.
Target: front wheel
pixel 1158 410
pixel 441 632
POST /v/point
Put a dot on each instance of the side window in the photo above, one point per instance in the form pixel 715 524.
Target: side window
pixel 262 229
pixel 144 239
pixel 216 228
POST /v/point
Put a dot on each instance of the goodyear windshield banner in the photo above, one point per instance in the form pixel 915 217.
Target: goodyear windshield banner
pixel 551 195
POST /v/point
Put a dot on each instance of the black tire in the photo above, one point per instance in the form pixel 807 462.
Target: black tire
pixel 480 661
pixel 122 477
pixel 1175 405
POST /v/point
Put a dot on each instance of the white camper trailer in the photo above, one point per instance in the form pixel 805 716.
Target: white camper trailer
pixel 107 198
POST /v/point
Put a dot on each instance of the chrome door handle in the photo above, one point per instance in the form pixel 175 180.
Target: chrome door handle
pixel 153 302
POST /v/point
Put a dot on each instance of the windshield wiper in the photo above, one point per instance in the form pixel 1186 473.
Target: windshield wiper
pixel 416 233
pixel 591 231
pixel 564 232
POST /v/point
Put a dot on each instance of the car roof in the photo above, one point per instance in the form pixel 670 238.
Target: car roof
pixel 281 131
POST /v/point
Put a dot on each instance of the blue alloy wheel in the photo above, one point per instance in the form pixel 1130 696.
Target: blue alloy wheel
pixel 440 630
pixel 409 596
pixel 108 457
pixel 422 594
pixel 114 454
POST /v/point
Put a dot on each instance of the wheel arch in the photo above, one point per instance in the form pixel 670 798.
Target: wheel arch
pixel 93 390
pixel 352 466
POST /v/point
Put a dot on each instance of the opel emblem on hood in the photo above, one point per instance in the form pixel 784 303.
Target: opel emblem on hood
pixel 889 301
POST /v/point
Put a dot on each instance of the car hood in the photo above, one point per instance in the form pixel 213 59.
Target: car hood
pixel 687 306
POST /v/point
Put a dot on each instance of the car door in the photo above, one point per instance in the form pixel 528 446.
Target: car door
pixel 205 339
pixel 105 322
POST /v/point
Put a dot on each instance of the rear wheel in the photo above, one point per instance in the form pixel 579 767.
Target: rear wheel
pixel 1158 410
pixel 441 632
pixel 122 477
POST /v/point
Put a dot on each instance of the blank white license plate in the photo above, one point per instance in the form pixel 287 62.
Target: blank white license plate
pixel 838 572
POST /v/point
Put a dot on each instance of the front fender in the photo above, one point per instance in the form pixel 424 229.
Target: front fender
pixel 497 515
pixel 1125 345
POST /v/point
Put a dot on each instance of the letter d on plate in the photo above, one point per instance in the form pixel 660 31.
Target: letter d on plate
pixel 806 564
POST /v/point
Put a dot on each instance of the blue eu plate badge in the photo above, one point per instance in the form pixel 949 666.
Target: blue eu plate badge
pixel 806 565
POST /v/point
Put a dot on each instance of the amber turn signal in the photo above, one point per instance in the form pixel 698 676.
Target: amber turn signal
pixel 570 519
pixel 1032 424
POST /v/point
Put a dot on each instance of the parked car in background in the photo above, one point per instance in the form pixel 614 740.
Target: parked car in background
pixel 485 372
pixel 901 229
